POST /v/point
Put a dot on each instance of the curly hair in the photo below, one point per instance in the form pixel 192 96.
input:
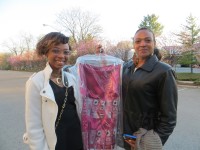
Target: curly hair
pixel 50 40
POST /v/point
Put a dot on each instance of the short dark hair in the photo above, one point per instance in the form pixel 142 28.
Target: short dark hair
pixel 49 40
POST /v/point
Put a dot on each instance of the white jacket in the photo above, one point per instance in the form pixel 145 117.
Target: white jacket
pixel 41 109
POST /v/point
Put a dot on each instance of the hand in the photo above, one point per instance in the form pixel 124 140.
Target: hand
pixel 131 143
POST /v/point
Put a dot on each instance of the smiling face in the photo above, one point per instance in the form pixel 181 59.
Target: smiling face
pixel 57 56
pixel 144 43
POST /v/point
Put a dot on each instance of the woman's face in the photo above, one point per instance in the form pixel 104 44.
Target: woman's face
pixel 57 56
pixel 144 44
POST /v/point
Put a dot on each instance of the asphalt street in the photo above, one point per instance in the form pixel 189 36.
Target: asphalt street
pixel 186 69
pixel 186 135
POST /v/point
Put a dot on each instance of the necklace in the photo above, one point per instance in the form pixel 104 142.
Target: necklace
pixel 56 78
pixel 58 81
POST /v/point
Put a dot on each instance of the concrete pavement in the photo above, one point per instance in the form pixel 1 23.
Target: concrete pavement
pixel 186 135
pixel 12 125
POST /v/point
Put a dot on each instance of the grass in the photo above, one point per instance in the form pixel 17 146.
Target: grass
pixel 195 77
pixel 188 76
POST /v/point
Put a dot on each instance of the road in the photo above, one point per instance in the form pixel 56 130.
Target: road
pixel 186 70
pixel 186 135
pixel 12 125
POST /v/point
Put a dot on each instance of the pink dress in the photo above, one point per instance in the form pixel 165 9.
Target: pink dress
pixel 99 85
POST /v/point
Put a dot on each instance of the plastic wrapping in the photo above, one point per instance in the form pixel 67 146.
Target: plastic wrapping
pixel 99 82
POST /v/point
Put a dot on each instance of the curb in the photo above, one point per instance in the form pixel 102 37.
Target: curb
pixel 187 84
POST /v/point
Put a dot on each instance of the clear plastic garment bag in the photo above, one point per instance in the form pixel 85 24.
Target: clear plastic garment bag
pixel 99 82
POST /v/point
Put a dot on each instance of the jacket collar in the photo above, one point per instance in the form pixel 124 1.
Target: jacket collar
pixel 47 74
pixel 148 66
pixel 150 63
pixel 47 90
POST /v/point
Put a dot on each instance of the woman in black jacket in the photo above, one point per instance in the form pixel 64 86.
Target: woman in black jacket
pixel 149 91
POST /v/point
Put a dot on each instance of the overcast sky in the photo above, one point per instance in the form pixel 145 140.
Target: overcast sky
pixel 118 18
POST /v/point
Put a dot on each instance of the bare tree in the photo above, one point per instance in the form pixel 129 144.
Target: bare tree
pixel 23 43
pixel 169 48
pixel 27 41
pixel 121 50
pixel 81 25
pixel 11 46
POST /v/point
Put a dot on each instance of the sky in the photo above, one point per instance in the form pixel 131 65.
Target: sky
pixel 118 18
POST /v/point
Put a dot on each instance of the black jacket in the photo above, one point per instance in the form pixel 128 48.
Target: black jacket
pixel 149 98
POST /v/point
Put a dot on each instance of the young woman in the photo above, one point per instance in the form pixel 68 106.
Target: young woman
pixel 149 91
pixel 52 102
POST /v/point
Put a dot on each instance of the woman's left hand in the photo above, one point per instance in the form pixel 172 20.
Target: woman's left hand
pixel 131 143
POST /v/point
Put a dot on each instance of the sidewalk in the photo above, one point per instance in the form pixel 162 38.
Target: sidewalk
pixel 187 84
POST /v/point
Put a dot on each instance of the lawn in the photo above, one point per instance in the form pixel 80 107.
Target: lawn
pixel 195 77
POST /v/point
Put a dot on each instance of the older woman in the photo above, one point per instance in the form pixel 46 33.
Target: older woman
pixel 149 91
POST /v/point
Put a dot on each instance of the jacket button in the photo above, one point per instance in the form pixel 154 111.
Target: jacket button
pixel 44 91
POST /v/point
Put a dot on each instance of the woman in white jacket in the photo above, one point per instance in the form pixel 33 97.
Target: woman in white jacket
pixel 52 103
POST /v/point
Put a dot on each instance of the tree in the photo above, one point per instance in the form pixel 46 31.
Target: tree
pixel 4 65
pixel 11 46
pixel 27 41
pixel 122 50
pixel 81 25
pixel 19 45
pixel 185 59
pixel 169 48
pixel 188 37
pixel 151 22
